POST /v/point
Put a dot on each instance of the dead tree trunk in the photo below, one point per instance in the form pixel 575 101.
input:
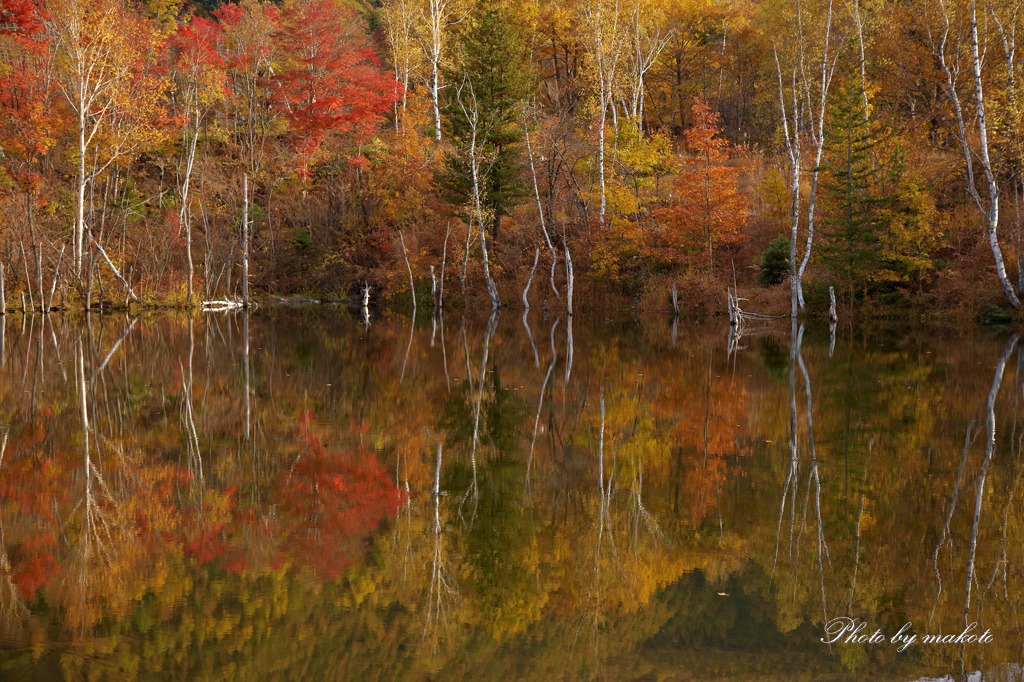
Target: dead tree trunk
pixel 526 289
pixel 569 284
pixel 245 241
pixel 408 267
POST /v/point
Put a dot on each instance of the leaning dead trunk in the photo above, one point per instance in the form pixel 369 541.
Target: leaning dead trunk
pixel 526 289
pixel 408 267
pixel 540 210
pixel 128 289
pixel 53 284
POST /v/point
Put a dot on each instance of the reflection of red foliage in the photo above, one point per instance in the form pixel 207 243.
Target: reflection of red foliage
pixel 210 546
pixel 333 503
pixel 32 562
pixel 207 546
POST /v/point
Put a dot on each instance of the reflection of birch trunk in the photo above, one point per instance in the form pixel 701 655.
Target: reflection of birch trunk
pixel 53 338
pixel 990 446
pixel 540 401
pixel 604 488
pixel 526 326
pixel 568 349
pixel 443 590
pixel 492 323
pixel 96 536
pixel 402 531
pixel 408 347
pixel 860 522
pixel 245 370
pixel 195 457
pixel 638 511
pixel 814 476
pixel 444 352
pixel 945 536
pixel 792 475
pixel 13 611
pixel 602 514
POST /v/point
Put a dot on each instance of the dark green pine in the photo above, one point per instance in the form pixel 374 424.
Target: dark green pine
pixel 493 56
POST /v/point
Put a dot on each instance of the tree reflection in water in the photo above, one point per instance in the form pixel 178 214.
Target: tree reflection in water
pixel 298 496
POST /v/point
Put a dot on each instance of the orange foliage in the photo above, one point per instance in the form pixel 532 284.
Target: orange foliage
pixel 709 212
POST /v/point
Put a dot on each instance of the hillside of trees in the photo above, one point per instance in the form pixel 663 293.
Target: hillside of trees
pixel 151 152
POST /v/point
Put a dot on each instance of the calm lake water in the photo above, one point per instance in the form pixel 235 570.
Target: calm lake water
pixel 295 496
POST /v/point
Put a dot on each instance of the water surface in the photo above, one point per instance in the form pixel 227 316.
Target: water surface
pixel 295 495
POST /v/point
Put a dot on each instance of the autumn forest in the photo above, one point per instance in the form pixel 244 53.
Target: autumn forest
pixel 485 339
pixel 169 153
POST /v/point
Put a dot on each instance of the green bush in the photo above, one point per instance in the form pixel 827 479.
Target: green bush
pixel 303 241
pixel 775 262
pixel 996 316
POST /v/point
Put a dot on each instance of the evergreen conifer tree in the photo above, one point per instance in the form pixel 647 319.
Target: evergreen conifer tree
pixel 494 63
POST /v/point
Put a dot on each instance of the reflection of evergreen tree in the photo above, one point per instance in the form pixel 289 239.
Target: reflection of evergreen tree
pixel 497 544
pixel 502 415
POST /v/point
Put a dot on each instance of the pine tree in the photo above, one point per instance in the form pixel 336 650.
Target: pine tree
pixel 853 208
pixel 494 63
pixel 879 220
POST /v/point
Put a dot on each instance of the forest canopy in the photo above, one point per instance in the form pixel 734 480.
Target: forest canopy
pixel 163 151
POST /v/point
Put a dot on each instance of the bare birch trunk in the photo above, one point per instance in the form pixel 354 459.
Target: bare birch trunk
pixel 39 277
pixel 28 283
pixel 472 115
pixel 569 281
pixel 53 284
pixel 444 258
pixel 991 210
pixel 408 267
pixel 986 164
pixel 185 215
pixel 245 241
pixel 540 209
pixel 128 289
pixel 526 289
pixel 80 198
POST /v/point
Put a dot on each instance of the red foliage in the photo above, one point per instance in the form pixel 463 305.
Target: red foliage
pixel 247 45
pixel 26 118
pixel 194 46
pixel 23 19
pixel 333 82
